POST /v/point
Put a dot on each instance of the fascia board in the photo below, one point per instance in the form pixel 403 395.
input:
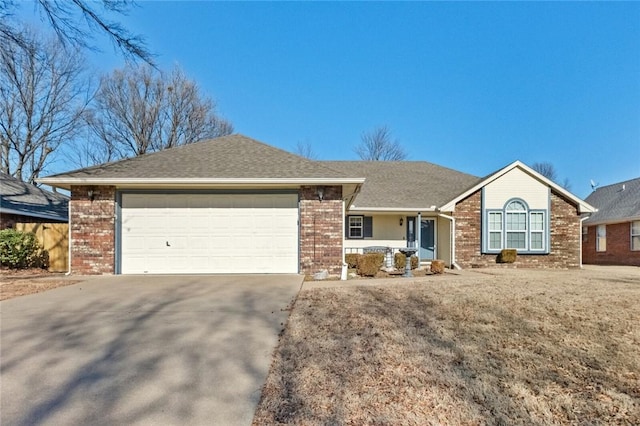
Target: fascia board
pixel 163 182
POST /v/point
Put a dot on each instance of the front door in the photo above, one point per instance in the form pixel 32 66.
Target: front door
pixel 427 239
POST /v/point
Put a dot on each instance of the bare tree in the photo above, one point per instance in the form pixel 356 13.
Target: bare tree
pixel 304 149
pixel 139 110
pixel 75 22
pixel 378 145
pixel 548 170
pixel 545 169
pixel 42 98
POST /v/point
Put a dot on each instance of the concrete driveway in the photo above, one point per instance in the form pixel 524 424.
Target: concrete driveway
pixel 142 350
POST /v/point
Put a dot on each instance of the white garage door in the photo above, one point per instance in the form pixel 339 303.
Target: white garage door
pixel 209 233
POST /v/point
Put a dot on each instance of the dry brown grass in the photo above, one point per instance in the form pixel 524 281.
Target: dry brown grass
pixel 497 347
pixel 14 283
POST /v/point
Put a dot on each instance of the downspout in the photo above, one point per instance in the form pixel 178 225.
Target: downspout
pixel 344 270
pixel 69 237
pixel 581 221
pixel 418 231
pixel 452 239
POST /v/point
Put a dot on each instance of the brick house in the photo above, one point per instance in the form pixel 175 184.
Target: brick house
pixel 21 202
pixel 233 204
pixel 611 236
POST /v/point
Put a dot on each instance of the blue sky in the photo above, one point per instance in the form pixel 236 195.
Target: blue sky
pixel 471 86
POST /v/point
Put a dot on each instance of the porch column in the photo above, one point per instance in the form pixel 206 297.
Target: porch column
pixel 419 234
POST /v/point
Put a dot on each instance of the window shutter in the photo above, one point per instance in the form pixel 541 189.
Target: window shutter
pixel 368 227
pixel 346 227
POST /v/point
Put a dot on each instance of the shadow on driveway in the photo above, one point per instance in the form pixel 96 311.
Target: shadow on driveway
pixel 142 349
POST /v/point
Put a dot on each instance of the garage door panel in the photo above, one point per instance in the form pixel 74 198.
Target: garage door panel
pixel 209 233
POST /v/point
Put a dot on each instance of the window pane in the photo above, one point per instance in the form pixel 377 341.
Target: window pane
pixel 635 227
pixel 516 206
pixel 635 243
pixel 355 221
pixel 495 221
pixel 355 232
pixel 536 241
pixel 516 221
pixel 537 221
pixel 495 240
pixel 516 240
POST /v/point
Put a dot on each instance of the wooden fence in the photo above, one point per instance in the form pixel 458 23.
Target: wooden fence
pixel 53 237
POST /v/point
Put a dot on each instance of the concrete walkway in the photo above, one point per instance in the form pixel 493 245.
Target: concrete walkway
pixel 163 350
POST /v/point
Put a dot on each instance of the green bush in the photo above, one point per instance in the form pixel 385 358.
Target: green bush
pixel 19 250
pixel 352 259
pixel 507 256
pixel 400 261
pixel 369 264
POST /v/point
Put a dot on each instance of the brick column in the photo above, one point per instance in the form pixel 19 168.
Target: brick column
pixel 92 222
pixel 321 227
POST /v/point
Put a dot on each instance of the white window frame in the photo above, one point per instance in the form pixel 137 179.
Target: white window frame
pixel 601 238
pixel 507 227
pixel 635 235
pixel 495 227
pixel 353 227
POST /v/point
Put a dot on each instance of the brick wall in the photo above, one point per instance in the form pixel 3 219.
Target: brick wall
pixel 321 227
pixel 92 230
pixel 564 237
pixel 618 247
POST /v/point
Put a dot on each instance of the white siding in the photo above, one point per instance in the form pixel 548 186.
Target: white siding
pixel 516 184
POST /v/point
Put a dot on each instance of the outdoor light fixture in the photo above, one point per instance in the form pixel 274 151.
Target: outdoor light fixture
pixel 401 220
pixel 90 194
pixel 320 190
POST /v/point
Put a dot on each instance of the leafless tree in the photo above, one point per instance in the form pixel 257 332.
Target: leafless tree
pixel 304 149
pixel 75 22
pixel 379 145
pixel 138 110
pixel 545 169
pixel 42 98
pixel 548 170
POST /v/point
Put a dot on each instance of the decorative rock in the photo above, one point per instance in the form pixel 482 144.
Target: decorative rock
pixel 322 275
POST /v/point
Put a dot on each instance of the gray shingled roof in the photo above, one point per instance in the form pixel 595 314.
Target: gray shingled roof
pixel 21 198
pixel 405 185
pixel 617 202
pixel 227 157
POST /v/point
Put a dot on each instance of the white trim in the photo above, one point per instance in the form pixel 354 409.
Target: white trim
pixel 583 206
pixel 611 221
pixel 163 182
pixel 410 210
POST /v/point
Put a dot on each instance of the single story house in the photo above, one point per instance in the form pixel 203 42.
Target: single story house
pixel 611 236
pixel 236 205
pixel 21 202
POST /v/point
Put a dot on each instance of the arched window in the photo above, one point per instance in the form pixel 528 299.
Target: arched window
pixel 516 226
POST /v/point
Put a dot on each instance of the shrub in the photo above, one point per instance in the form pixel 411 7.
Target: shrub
pixel 507 256
pixel 400 261
pixel 437 266
pixel 369 264
pixel 352 259
pixel 21 250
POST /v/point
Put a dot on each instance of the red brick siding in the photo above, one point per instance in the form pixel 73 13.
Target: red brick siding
pixel 618 247
pixel 92 225
pixel 564 236
pixel 321 228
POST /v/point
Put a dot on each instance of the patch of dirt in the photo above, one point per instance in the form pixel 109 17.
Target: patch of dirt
pixel 21 282
pixel 508 347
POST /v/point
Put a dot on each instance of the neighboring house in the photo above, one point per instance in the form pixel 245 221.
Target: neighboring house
pixel 611 236
pixel 21 202
pixel 236 205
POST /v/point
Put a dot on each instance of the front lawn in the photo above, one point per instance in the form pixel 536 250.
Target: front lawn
pixel 490 347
